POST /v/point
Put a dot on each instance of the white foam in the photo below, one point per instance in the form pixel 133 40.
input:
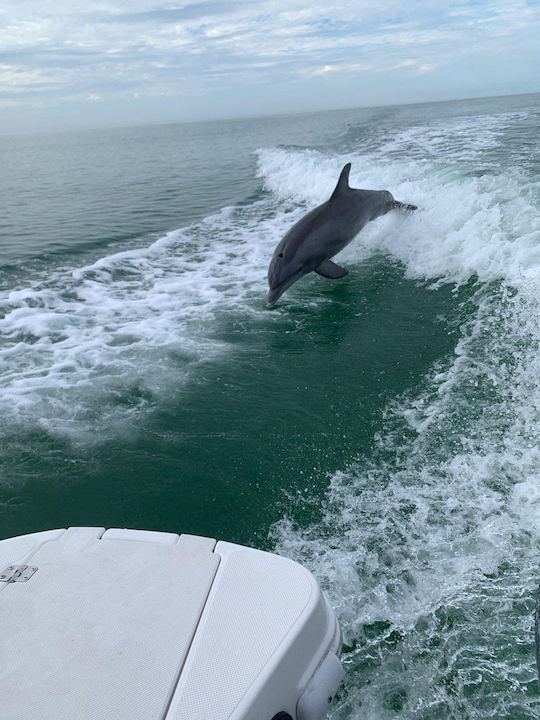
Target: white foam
pixel 84 345
pixel 485 226
pixel 458 140
pixel 443 521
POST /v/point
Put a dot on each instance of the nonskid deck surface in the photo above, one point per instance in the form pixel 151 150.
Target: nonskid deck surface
pixel 136 625
pixel 102 628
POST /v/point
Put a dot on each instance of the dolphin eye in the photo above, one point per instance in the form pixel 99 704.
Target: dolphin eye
pixel 280 255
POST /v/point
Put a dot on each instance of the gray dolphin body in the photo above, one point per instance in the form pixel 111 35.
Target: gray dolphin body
pixel 323 232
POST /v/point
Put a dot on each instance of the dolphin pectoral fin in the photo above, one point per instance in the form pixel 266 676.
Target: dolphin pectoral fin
pixel 328 269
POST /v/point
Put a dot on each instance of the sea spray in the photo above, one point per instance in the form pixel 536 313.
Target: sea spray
pixel 430 547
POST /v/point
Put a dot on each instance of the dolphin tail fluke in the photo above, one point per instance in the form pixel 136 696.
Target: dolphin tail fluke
pixel 328 269
pixel 343 182
pixel 404 206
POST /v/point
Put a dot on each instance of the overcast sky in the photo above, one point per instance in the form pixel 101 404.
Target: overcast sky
pixel 83 63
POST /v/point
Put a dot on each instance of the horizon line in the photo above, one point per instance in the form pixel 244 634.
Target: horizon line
pixel 255 116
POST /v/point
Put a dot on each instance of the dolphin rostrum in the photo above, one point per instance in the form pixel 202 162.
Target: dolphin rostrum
pixel 323 232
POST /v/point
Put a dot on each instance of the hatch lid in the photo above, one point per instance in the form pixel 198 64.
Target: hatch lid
pixel 103 626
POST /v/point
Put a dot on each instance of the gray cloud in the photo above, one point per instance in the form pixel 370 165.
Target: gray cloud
pixel 150 48
pixel 168 15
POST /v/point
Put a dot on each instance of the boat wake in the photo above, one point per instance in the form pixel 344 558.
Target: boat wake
pixel 429 547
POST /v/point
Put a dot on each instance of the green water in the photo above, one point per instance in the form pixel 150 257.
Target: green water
pixel 217 458
pixel 382 429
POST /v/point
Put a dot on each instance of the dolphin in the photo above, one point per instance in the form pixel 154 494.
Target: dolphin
pixel 323 232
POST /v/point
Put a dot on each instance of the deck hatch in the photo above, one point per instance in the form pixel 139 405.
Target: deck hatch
pixel 102 629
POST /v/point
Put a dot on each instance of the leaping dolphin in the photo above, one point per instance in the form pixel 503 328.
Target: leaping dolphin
pixel 323 232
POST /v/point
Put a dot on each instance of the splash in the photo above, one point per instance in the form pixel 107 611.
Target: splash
pixel 429 547
pixel 86 345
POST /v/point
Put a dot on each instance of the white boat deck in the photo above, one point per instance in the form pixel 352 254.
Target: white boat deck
pixel 135 625
pixel 101 630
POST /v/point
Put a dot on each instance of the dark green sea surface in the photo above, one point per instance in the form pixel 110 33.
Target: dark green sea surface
pixel 382 429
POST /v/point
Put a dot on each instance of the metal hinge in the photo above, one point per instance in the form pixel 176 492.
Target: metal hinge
pixel 17 573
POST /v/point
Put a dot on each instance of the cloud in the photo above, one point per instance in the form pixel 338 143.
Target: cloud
pixel 425 68
pixel 419 68
pixel 343 68
pixel 12 76
pixel 160 49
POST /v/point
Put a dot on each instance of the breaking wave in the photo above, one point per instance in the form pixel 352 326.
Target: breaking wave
pixel 429 548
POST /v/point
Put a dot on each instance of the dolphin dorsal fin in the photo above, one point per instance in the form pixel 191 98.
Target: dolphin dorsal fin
pixel 343 182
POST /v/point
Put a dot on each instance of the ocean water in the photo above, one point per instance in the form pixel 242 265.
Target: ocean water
pixel 382 429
